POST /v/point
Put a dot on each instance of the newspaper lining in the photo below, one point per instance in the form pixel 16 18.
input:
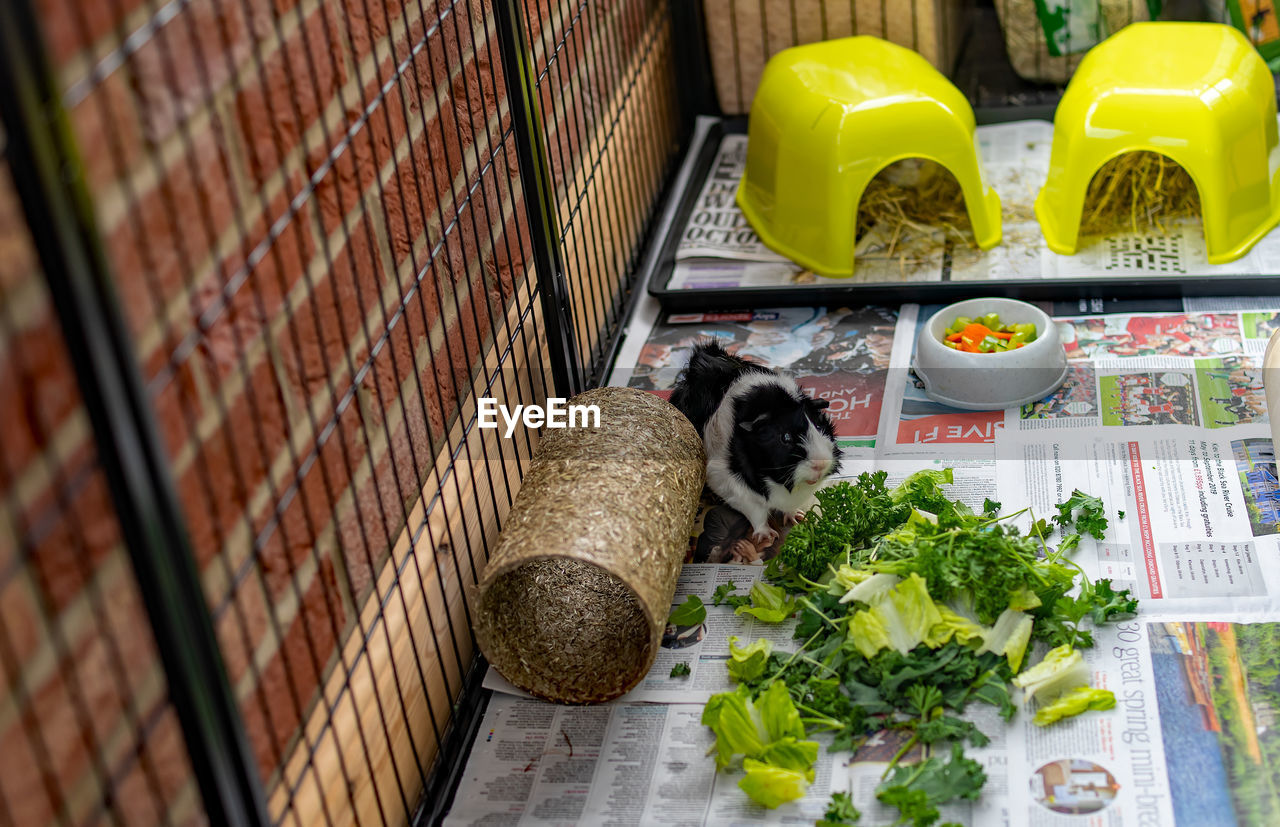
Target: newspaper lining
pixel 1162 417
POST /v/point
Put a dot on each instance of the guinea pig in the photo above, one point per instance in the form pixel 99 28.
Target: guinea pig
pixel 769 445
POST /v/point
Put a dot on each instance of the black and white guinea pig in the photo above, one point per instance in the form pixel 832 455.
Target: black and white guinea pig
pixel 769 445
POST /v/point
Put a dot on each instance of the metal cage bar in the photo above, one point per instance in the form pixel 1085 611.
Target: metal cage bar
pixel 49 178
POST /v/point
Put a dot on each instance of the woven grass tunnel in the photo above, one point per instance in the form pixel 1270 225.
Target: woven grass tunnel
pixel 574 600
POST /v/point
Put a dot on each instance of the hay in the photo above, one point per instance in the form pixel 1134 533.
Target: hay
pixel 1137 191
pixel 573 603
pixel 912 198
pixel 1029 52
pixel 743 34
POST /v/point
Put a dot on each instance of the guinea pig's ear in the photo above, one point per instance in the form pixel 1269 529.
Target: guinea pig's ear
pixel 818 404
pixel 754 423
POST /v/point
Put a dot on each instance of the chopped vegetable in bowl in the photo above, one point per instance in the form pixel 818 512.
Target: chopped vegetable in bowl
pixel 988 334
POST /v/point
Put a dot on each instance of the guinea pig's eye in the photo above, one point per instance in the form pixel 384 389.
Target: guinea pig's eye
pixel 786 438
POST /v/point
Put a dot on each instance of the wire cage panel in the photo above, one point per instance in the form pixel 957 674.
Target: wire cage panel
pixel 315 221
pixel 604 74
pixel 87 733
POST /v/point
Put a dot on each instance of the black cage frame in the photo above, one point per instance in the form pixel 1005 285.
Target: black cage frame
pixel 49 175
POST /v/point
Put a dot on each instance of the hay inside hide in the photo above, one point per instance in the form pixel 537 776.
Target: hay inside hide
pixel 574 601
pixel 910 200
pixel 1138 191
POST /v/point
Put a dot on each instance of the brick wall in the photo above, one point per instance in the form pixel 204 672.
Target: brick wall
pixel 313 214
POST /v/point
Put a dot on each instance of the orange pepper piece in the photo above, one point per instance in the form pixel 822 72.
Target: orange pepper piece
pixel 972 335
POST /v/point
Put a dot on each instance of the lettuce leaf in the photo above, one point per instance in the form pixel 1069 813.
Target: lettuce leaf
pixel 769 735
pixel 768 603
pixel 1062 669
pixel 748 662
pixel 1073 702
pixel 731 719
pixel 778 714
pixel 953 625
pixel 771 785
pixel 1009 636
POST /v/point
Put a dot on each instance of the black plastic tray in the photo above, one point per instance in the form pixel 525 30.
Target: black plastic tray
pixel 1105 287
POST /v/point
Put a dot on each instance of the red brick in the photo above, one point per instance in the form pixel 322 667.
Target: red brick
pixel 84 531
pixel 154 247
pixel 243 625
pixel 305 516
pixel 78 707
pixel 258 295
pixel 20 621
pixel 161 768
pixel 179 398
pixel 38 389
pixel 233 463
pixel 69 26
pixel 273 712
pixel 18 264
pixel 277 108
pixel 107 130
pixel 29 788
pixel 368 21
pixel 167 72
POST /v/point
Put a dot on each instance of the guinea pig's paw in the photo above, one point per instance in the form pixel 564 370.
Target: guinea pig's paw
pixel 793 517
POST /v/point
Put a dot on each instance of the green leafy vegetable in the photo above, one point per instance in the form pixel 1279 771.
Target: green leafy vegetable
pixel 848 516
pixel 840 811
pixel 722 591
pixel 918 790
pixel 768 736
pixel 909 607
pixel 772 785
pixel 947 728
pixel 1085 511
pixel 680 670
pixel 689 613
pixel 1107 604
pixel 1063 668
pixel 748 663
pixel 1073 702
pixel 1009 636
pixel 768 603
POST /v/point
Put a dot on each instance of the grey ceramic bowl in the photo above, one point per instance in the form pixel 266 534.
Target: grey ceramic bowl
pixel 990 381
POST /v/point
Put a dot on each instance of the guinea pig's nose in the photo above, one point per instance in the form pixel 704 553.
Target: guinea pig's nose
pixel 819 468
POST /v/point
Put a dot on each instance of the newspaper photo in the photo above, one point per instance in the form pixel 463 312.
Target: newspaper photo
pixel 1149 370
pixel 837 354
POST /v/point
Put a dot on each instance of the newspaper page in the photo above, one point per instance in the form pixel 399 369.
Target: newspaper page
pixel 535 763
pixel 1192 517
pixel 1162 425
pixel 837 354
pixel 718 248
